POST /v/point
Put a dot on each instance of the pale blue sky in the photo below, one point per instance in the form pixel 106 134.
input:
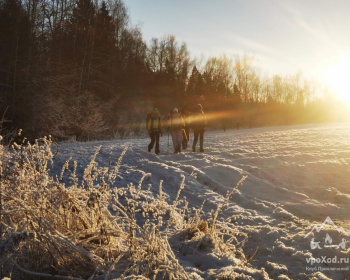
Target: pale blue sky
pixel 285 35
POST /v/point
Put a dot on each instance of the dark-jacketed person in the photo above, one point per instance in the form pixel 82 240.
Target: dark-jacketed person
pixel 198 124
pixel 154 128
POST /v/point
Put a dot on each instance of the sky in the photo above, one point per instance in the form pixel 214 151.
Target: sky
pixel 285 36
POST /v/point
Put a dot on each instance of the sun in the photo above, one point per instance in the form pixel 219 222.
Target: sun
pixel 337 77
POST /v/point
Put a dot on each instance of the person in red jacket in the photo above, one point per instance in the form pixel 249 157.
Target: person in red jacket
pixel 154 129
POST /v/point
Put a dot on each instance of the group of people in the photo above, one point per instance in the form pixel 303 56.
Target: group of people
pixel 179 123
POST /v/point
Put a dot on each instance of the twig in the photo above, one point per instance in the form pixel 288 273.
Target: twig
pixel 39 274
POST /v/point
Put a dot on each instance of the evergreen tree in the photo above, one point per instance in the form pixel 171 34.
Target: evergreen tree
pixel 14 51
pixel 82 36
pixel 236 94
pixel 195 86
pixel 103 50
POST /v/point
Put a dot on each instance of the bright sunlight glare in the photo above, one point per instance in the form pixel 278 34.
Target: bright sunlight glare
pixel 336 77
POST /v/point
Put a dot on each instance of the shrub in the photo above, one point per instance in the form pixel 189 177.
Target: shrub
pixel 85 227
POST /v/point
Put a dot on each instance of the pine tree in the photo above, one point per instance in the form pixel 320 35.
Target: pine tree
pixel 195 86
pixel 82 35
pixel 104 48
pixel 14 43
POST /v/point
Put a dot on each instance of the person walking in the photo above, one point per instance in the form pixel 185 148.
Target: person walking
pixel 185 113
pixel 154 129
pixel 198 124
pixel 176 125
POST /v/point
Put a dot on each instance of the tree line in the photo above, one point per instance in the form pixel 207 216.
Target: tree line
pixel 80 68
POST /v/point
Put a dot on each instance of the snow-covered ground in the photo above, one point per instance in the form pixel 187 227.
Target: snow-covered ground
pixel 297 176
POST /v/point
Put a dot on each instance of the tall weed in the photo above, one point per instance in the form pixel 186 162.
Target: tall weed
pixel 87 228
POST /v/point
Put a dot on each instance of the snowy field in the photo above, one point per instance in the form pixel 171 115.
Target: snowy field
pixel 297 176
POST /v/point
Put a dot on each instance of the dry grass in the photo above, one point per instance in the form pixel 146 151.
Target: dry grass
pixel 85 229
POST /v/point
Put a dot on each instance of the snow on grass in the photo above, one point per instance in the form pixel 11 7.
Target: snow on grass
pixel 120 211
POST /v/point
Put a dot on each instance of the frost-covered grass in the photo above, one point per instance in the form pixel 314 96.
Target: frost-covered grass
pixel 88 228
pixel 98 210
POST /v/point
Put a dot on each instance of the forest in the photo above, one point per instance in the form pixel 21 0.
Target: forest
pixel 80 69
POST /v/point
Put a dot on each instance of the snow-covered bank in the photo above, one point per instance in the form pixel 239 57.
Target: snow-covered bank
pixel 297 177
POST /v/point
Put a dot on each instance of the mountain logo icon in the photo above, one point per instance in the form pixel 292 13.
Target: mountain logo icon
pixel 315 245
pixel 328 221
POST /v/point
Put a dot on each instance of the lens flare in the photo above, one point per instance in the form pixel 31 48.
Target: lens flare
pixel 336 76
